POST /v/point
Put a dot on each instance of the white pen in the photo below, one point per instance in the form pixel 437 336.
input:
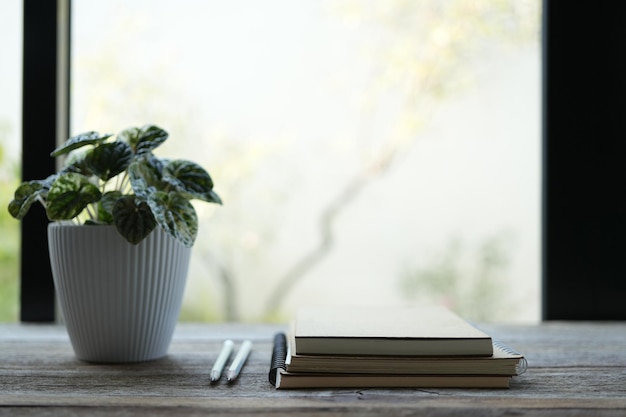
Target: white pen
pixel 218 366
pixel 240 359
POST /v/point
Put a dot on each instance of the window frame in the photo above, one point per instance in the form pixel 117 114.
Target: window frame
pixel 45 119
pixel 583 212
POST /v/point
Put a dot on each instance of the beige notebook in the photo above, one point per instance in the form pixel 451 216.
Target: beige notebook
pixel 398 331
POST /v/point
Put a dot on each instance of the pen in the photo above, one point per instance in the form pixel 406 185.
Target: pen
pixel 240 359
pixel 218 366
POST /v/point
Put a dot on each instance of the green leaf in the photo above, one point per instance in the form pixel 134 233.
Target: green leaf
pixel 25 195
pixel 69 194
pixel 175 214
pixel 191 179
pixel 133 219
pixel 130 136
pixel 76 162
pixel 109 159
pixel 213 198
pixel 143 140
pixel 106 205
pixel 87 138
pixel 157 164
pixel 143 175
pixel 151 137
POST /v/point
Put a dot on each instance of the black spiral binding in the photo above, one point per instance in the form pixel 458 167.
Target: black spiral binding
pixel 522 365
pixel 279 355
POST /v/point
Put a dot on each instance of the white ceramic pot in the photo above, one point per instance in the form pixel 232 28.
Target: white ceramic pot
pixel 120 301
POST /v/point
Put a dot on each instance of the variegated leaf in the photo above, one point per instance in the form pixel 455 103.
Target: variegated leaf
pixel 109 159
pixel 25 195
pixel 133 219
pixel 191 179
pixel 175 214
pixel 143 140
pixel 75 142
pixel 69 194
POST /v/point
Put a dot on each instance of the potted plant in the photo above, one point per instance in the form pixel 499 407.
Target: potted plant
pixel 120 240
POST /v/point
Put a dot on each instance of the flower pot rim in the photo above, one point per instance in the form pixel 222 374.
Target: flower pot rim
pixel 67 224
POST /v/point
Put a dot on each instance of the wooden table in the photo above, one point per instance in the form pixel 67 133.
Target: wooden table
pixel 574 369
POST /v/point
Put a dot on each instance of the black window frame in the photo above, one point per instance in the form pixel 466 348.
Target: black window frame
pixel 583 213
pixel 45 119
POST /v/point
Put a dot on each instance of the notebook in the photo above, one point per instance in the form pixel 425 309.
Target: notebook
pixel 289 380
pixel 396 331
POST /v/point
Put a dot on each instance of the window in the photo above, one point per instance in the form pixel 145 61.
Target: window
pixel 366 151
pixel 334 134
pixel 582 213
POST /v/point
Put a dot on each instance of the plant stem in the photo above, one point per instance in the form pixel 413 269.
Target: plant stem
pixel 119 185
pixel 41 200
pixel 125 184
pixel 91 213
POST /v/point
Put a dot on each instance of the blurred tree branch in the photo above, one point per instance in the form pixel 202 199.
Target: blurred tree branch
pixel 425 55
pixel 227 281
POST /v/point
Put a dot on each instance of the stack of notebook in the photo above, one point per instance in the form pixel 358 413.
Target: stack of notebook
pixel 416 347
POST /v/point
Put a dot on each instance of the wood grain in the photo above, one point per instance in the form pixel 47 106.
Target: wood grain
pixel 574 369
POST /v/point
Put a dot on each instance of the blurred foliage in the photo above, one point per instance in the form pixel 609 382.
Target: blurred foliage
pixel 468 280
pixel 9 237
pixel 422 51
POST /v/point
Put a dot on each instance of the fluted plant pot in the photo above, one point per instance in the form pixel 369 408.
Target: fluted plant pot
pixel 120 301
